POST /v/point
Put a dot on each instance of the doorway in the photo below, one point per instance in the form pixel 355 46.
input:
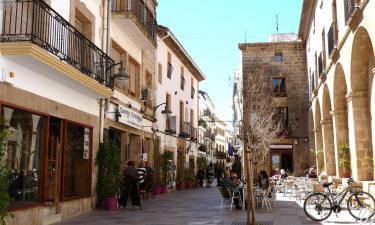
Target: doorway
pixel 53 160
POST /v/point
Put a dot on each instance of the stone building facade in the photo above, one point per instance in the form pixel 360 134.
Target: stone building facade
pixel 339 37
pixel 290 97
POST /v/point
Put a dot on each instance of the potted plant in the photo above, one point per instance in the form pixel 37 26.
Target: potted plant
pixel 109 175
pixel 344 160
pixel 4 179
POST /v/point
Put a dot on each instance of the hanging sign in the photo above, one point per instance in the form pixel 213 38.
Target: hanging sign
pixel 86 144
pixel 144 157
pixel 129 117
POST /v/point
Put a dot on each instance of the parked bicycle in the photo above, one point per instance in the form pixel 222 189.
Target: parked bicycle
pixel 319 206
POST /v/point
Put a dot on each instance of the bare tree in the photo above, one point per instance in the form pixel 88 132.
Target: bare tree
pixel 260 127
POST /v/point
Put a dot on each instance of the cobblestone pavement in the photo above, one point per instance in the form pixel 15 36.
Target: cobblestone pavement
pixel 199 207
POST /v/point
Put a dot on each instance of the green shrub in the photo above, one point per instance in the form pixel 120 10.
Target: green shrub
pixel 109 174
pixel 4 179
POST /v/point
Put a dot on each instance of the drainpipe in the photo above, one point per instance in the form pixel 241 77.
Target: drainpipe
pixel 109 7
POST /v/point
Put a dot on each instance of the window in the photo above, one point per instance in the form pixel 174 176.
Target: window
pixel 160 74
pixel 278 57
pixel 169 66
pixel 134 78
pixel 168 101
pixel 148 79
pixel 77 161
pixel 183 81
pixel 83 24
pixel 281 117
pixel 25 145
pixel 279 87
pixel 192 89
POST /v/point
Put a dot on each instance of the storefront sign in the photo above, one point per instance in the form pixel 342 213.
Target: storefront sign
pixel 129 117
pixel 281 146
pixel 86 144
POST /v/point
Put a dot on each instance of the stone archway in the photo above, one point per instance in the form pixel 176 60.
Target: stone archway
pixel 319 153
pixel 330 155
pixel 362 63
pixel 340 119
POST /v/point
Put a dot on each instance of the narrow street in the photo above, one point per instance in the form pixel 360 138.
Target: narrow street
pixel 199 207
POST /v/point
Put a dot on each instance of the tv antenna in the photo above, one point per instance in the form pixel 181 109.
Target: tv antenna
pixel 277 27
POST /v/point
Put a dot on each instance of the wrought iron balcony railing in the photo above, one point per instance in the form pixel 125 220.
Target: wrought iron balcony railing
pixel 140 10
pixel 36 22
pixel 185 129
pixel 350 7
pixel 171 125
pixel 194 133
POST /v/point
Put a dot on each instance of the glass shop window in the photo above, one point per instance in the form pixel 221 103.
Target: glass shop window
pixel 23 135
pixel 77 170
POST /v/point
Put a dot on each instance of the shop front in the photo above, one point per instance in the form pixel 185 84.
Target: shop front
pixel 281 157
pixel 49 151
pixel 127 127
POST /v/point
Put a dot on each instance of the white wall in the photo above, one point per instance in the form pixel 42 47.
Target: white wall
pixel 42 80
pixel 172 86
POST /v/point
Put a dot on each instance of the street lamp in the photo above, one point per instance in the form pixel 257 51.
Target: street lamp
pixel 121 75
pixel 165 111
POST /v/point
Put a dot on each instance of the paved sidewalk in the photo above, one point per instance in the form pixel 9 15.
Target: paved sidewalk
pixel 199 207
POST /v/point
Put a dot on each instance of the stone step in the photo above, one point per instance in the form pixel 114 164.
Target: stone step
pixel 52 218
pixel 49 211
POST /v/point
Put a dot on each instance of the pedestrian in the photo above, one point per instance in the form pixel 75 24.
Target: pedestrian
pixel 141 176
pixel 263 180
pixel 209 175
pixel 130 189
pixel 219 174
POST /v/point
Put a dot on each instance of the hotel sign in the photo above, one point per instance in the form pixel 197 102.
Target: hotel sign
pixel 129 117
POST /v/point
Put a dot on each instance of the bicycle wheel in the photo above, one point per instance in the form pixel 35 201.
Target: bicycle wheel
pixel 361 205
pixel 317 206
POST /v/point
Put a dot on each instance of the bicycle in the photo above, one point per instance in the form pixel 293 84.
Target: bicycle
pixel 319 206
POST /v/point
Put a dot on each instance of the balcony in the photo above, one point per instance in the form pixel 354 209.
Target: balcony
pixel 136 20
pixel 331 41
pixel 35 22
pixel 194 134
pixel 320 64
pixel 351 7
pixel 210 135
pixel 171 125
pixel 185 129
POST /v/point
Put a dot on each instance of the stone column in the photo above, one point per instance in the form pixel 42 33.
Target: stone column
pixel 359 135
pixel 340 128
pixel 328 146
pixel 320 165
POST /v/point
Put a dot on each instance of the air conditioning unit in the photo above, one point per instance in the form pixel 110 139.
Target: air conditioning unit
pixel 146 94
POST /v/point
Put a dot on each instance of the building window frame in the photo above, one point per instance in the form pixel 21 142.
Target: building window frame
pixel 279 86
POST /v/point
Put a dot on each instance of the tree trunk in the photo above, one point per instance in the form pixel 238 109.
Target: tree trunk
pixel 251 220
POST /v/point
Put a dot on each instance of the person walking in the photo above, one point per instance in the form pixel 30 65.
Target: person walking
pixel 149 179
pixel 141 176
pixel 130 189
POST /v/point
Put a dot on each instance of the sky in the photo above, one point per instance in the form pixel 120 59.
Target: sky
pixel 210 31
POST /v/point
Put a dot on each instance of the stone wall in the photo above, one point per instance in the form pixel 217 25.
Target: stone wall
pixel 294 66
pixel 30 216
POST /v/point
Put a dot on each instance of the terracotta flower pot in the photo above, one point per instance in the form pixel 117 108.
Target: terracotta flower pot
pixel 164 189
pixel 111 203
pixel 157 190
pixel 189 185
pixel 180 186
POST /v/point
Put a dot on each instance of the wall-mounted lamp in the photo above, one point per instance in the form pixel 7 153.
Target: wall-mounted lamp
pixel 121 75
pixel 165 111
